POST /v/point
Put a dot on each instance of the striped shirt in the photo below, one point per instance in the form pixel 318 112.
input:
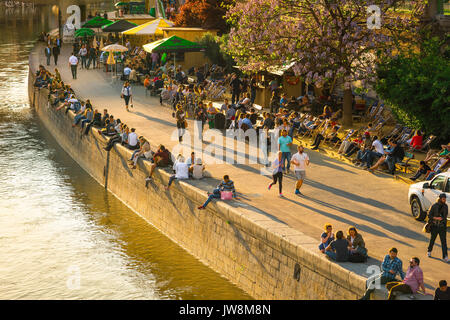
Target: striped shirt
pixel 227 186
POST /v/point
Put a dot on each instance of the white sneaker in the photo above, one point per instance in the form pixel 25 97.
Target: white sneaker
pixel 428 254
pixel 446 259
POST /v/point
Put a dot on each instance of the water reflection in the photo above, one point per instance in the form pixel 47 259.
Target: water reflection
pixel 62 236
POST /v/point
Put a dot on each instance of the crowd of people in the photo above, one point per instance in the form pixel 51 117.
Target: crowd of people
pixel 188 100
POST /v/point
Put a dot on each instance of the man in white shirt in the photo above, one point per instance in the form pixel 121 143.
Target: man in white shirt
pixel 181 170
pixel 73 64
pixel 378 151
pixel 300 160
pixel 132 140
pixel 126 71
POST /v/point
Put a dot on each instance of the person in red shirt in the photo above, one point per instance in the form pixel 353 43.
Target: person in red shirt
pixel 416 141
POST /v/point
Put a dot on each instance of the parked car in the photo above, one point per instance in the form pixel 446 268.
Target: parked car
pixel 422 195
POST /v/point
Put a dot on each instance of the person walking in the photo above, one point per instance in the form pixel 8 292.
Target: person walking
pixel 235 84
pixel 300 160
pixel 277 173
pixel 73 64
pixel 437 217
pixel 92 58
pixel 284 145
pixel 56 51
pixel 83 55
pixel 126 93
pixel 48 54
pixel 180 115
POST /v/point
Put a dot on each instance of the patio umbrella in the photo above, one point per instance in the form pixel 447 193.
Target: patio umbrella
pixel 96 22
pixel 84 32
pixel 118 26
pixel 150 28
pixel 121 3
pixel 115 48
pixel 173 44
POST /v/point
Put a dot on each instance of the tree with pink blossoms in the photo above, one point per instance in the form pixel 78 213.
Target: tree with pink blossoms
pixel 330 42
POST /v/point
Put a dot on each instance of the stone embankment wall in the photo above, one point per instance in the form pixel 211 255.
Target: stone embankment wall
pixel 264 257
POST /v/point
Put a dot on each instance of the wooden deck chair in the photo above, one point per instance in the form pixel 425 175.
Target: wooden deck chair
pixel 441 163
pixel 395 131
pixel 379 112
pixel 350 133
pixel 406 134
pixel 330 143
pixel 371 111
pixel 310 132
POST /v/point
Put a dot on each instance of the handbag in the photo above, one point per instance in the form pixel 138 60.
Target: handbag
pixel 226 195
pixel 427 228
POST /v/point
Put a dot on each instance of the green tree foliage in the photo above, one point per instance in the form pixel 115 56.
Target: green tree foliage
pixel 214 51
pixel 417 85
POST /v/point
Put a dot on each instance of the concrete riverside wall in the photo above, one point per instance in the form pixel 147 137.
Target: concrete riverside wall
pixel 267 259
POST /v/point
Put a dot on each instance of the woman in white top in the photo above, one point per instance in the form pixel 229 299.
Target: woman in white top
pixel 126 94
pixel 197 169
pixel 181 170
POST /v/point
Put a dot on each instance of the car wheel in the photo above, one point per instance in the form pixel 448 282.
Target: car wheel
pixel 416 210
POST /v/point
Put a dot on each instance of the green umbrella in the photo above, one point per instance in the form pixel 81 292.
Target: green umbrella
pixel 121 3
pixel 84 32
pixel 96 22
pixel 173 44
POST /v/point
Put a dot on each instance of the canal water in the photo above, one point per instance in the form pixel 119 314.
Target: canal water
pixel 61 235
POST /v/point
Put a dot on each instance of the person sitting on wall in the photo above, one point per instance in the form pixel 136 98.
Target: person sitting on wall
pixel 337 250
pixel 161 159
pixel 226 185
pixel 326 238
pixel 181 169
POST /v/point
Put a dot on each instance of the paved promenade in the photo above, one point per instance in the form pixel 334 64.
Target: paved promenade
pixel 334 192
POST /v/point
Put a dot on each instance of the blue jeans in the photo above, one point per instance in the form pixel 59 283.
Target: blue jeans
pixel 361 154
pixel 214 195
pixel 331 254
pixel 134 153
pixel 369 156
pixel 172 177
pixel 78 118
pixel 391 161
pixel 286 156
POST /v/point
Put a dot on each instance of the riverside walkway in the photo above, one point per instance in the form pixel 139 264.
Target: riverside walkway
pixel 334 192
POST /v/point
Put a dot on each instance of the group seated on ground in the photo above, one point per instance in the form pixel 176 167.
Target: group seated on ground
pixel 351 249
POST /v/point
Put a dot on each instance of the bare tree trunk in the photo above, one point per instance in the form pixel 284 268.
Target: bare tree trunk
pixel 347 119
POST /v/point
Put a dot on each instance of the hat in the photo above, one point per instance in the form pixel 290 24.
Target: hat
pixel 442 195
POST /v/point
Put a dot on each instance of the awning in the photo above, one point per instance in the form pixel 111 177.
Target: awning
pixel 149 28
pixel 276 70
pixel 173 44
pixel 279 71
